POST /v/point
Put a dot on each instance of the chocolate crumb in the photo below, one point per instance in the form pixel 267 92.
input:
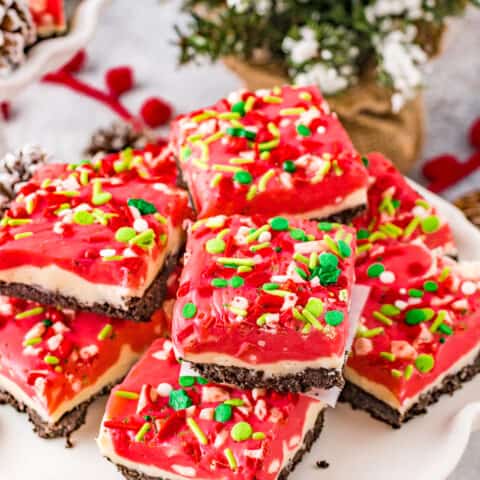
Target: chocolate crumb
pixel 323 464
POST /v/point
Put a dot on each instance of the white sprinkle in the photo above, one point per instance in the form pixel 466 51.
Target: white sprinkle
pixel 185 471
pixel 88 352
pixel 387 277
pixel 468 288
pixel 274 466
pixel 264 237
pixel 107 252
pixel 140 225
pixel 164 389
pixel 401 305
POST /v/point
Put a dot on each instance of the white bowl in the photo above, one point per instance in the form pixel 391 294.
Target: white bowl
pixel 51 54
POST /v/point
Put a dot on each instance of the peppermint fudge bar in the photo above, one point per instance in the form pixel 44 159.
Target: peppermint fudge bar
pixel 398 213
pixel 160 424
pixel 99 236
pixel 419 336
pixel 55 362
pixel 275 152
pixel 265 303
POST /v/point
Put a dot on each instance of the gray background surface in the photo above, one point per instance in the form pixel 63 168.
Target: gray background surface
pixel 140 33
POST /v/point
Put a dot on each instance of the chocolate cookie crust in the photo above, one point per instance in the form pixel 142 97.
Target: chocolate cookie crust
pixel 361 400
pixel 248 379
pixel 64 427
pixel 137 309
pixel 310 438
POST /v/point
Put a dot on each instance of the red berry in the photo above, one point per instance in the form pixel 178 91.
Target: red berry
pixel 5 111
pixel 156 112
pixel 76 63
pixel 119 80
pixel 475 134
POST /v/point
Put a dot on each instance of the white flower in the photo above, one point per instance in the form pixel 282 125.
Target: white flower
pixel 412 9
pixel 304 49
pixel 328 79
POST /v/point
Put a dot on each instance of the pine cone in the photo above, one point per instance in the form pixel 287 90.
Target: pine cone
pixel 470 206
pixel 117 137
pixel 17 32
pixel 18 168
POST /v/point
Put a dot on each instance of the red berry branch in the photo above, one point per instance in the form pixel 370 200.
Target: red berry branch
pixel 444 171
pixel 154 112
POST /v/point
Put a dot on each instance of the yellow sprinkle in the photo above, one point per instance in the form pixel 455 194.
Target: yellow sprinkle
pixel 305 96
pixel 216 180
pixel 198 163
pixel 225 168
pixel 204 116
pixel 194 138
pixel 197 431
pixel 411 227
pixel 240 161
pixel 272 128
pixel 292 111
pixel 439 319
pixel 142 432
pixel 322 172
pixel 422 203
pixel 232 461
pixel 375 236
pixel 264 179
pixel 214 137
pixel 29 206
pixel 364 248
pixel 265 155
pixel 249 103
pixel 252 192
pixel 19 236
pixel 29 313
pixel 382 318
pixel 222 233
pixel 229 116
pixel 46 183
pixel 272 99
pixel 160 218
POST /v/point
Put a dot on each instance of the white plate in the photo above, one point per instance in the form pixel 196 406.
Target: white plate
pixel 356 446
pixel 48 55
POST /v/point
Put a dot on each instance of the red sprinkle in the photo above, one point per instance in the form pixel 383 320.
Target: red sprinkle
pixel 5 110
pixel 76 63
pixel 156 112
pixel 474 134
pixel 119 80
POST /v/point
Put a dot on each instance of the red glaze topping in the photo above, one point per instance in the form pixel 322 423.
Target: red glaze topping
pixel 397 213
pixel 53 355
pixel 194 429
pixel 422 316
pixel 268 153
pixel 265 291
pixel 106 222
pixel 48 15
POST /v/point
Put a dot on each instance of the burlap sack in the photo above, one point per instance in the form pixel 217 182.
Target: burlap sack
pixel 365 111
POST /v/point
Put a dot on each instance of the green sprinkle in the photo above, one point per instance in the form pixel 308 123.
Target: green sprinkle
pixel 363 234
pixel 223 413
pixel 197 431
pixel 424 363
pixel 125 234
pixel 430 286
pixel 258 436
pixel 32 341
pixel 51 359
pixel 373 332
pixel 243 177
pixel 344 249
pixel 83 218
pixel 415 293
pixel 415 316
pixel 298 234
pixel 105 332
pixel 179 400
pixel 186 381
pixel 144 239
pixel 189 310
pixel 315 306
pixel 445 329
pixel 186 153
pixel 382 318
pixel 301 273
pixel 239 108
pixel 334 317
pixel 365 161
pixel 389 310
pixel 232 462
pixel 237 262
pixel 215 245
pixel 237 282
pixel 219 283
pixel 279 224
pixel 101 198
pixel 289 166
pixel 375 270
pixel 143 431
pixel 270 286
pixel 430 224
pixel 328 261
pixel 144 207
pixel 303 130
pixel 325 226
pixel 251 237
pixel 241 431
pixel 396 373
pixel 47 322
pixel 234 402
pixel 202 381
pixel 259 246
pixel 388 356
pixel 408 372
pixel 29 313
pixel 127 395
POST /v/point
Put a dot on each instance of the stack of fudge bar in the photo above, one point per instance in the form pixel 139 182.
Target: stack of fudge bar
pixel 88 255
pixel 287 217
